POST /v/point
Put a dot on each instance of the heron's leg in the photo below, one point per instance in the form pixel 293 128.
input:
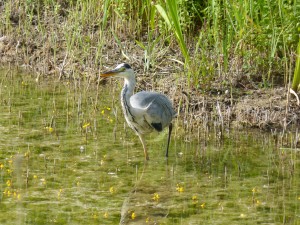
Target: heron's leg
pixel 169 137
pixel 144 146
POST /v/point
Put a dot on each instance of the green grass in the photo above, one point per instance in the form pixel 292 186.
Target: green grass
pixel 213 39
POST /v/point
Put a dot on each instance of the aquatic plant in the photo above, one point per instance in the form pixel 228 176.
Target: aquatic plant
pixel 203 179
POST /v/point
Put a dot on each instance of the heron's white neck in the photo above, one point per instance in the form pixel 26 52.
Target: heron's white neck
pixel 126 93
pixel 129 84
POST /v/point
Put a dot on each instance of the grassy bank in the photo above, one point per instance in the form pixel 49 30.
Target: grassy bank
pixel 223 38
pixel 211 46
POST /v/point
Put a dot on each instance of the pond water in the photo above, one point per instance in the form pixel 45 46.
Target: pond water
pixel 67 157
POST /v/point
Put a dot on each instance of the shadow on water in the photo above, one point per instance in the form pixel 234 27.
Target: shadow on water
pixel 66 156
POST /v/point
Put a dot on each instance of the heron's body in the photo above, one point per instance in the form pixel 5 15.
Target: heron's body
pixel 144 111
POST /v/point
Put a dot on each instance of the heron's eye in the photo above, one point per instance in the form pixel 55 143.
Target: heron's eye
pixel 122 69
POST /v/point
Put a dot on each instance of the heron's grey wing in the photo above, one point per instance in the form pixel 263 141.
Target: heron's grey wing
pixel 158 110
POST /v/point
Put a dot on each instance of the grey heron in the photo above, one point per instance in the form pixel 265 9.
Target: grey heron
pixel 144 111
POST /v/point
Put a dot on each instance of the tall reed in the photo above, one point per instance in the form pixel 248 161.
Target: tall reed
pixel 296 79
pixel 171 17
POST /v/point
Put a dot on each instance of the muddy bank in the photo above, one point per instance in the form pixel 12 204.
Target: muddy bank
pixel 236 104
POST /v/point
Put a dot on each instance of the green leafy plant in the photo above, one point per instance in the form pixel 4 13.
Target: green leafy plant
pixel 171 17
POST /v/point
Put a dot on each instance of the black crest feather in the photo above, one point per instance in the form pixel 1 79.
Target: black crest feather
pixel 126 66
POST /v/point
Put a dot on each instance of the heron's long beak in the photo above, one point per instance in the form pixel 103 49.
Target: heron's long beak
pixel 112 72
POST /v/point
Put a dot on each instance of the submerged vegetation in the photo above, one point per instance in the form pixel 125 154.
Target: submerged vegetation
pixel 209 46
pixel 65 158
pixel 230 63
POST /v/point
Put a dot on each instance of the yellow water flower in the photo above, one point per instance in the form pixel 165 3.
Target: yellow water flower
pixel 108 108
pixel 59 193
pixel 86 125
pixel 105 215
pixel 43 181
pixel 49 129
pixel 221 206
pixel 110 119
pixel 243 215
pixel 195 199
pixel 35 176
pixel 112 190
pixel 133 215
pixel 7 192
pixel 1 166
pixel 102 112
pixel 155 197
pixel 8 183
pixel 179 188
pixel 202 205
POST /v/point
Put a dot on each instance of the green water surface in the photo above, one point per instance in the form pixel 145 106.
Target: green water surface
pixel 67 157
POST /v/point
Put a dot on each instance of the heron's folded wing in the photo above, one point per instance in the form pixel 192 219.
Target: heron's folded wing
pixel 157 107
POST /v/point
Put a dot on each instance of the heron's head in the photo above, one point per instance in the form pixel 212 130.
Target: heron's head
pixel 122 70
